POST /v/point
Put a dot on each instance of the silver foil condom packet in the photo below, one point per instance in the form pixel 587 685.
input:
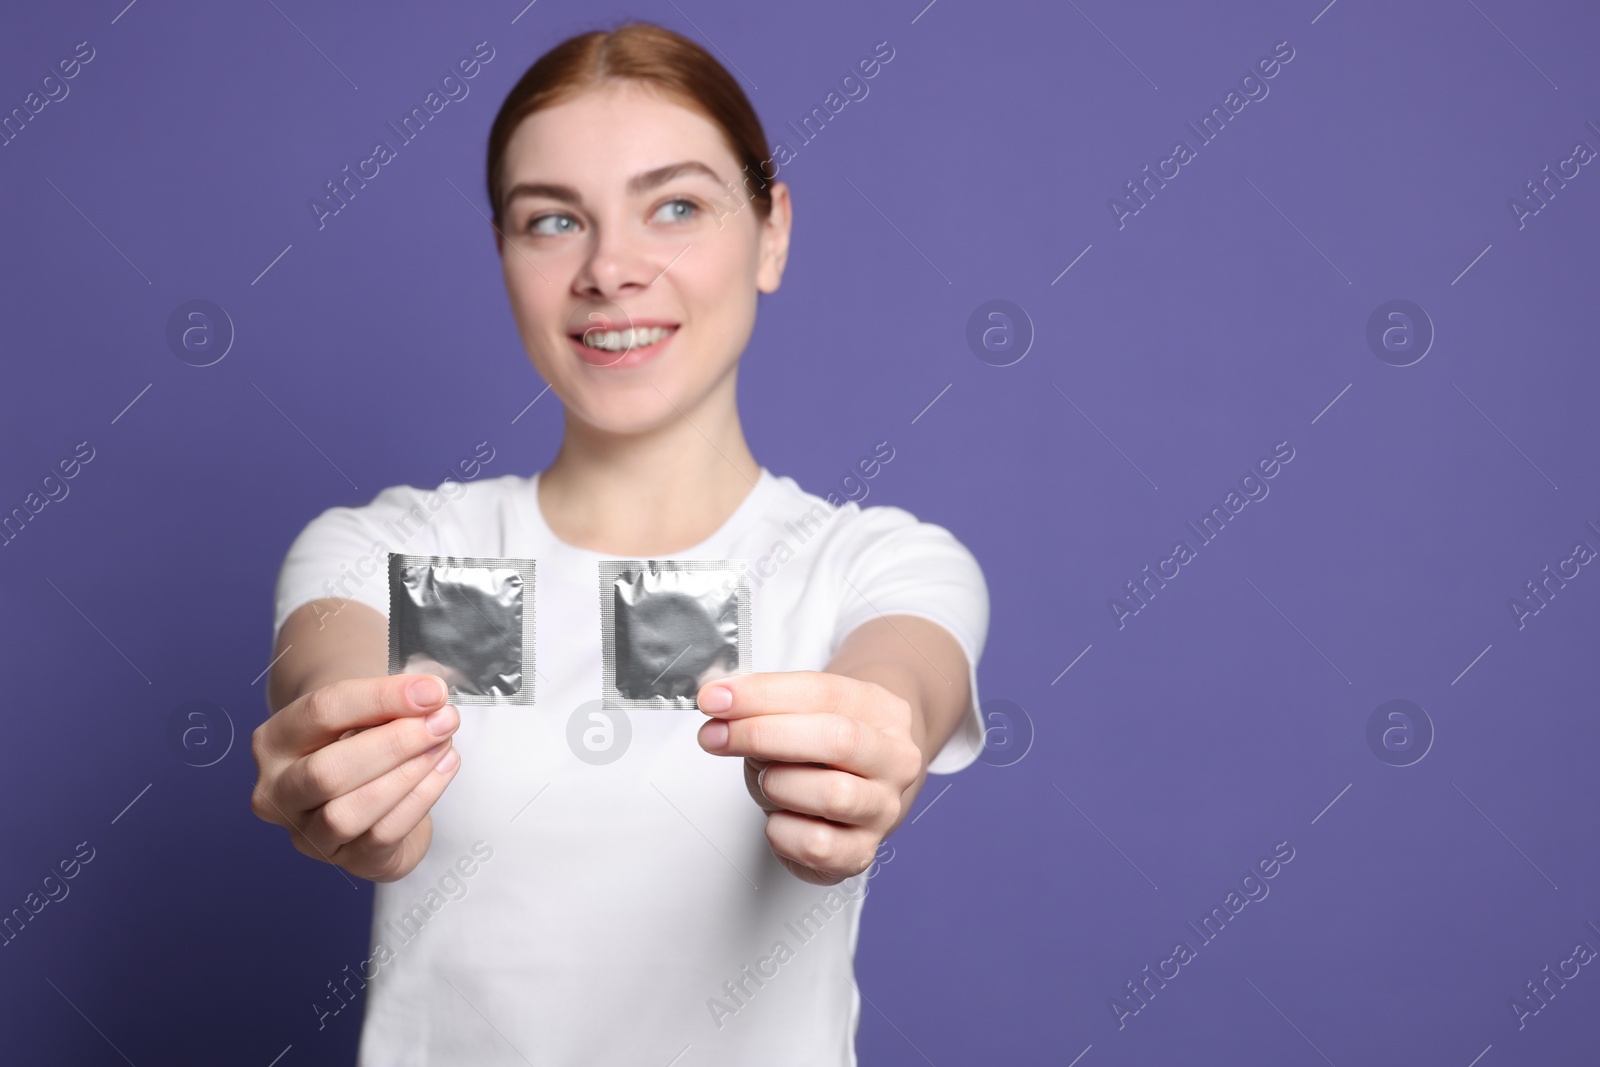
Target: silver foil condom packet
pixel 468 619
pixel 667 627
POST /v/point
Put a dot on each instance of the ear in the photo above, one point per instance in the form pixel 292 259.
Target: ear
pixel 774 238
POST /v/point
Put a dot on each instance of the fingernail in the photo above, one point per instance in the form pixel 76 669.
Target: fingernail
pixel 717 698
pixel 448 764
pixel 715 734
pixel 761 780
pixel 442 721
pixel 427 691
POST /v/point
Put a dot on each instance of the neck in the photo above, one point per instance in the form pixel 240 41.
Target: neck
pixel 651 493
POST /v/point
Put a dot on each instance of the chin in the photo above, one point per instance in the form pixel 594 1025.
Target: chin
pixel 633 398
pixel 625 408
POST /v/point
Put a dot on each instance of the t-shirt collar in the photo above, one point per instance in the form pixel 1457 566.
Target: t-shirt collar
pixel 532 517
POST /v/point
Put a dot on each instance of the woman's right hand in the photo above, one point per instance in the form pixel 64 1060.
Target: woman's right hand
pixel 352 769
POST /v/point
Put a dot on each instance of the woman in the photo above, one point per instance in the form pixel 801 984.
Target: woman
pixel 694 896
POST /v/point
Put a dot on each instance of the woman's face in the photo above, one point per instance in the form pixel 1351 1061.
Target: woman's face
pixel 631 267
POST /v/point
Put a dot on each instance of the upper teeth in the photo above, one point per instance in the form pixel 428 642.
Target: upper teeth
pixel 618 340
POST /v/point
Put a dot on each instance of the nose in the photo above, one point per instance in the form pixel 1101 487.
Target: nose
pixel 619 262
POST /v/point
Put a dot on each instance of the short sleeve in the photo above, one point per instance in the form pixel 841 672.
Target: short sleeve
pixel 343 553
pixel 897 565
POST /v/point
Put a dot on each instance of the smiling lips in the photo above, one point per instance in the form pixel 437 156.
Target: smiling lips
pixel 628 346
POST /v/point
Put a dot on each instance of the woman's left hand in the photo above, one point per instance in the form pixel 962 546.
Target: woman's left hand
pixel 830 758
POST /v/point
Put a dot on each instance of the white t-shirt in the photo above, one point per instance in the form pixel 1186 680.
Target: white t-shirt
pixel 577 912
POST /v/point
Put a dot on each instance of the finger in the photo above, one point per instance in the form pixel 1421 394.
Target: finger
pixel 354 761
pixel 396 824
pixel 837 796
pixel 346 818
pixel 775 692
pixel 837 851
pixel 753 769
pixel 323 714
pixel 835 740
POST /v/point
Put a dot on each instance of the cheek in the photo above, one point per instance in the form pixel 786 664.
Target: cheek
pixel 535 302
pixel 718 295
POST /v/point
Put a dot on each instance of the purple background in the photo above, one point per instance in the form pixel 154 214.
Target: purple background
pixel 1227 316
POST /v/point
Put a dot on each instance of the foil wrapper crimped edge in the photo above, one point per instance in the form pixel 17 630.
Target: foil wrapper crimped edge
pixel 526 568
pixel 612 569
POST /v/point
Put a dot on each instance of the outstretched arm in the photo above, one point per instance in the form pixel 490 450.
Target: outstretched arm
pixel 835 757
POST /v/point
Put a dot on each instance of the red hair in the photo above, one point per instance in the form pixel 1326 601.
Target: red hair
pixel 651 55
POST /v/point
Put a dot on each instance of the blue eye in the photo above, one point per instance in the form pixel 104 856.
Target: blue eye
pixel 690 209
pixel 565 224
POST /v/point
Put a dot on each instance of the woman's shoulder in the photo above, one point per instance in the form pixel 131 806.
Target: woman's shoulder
pixel 842 525
pixel 468 499
pixel 879 555
pixel 483 488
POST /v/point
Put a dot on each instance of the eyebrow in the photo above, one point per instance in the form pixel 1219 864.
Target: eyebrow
pixel 639 183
